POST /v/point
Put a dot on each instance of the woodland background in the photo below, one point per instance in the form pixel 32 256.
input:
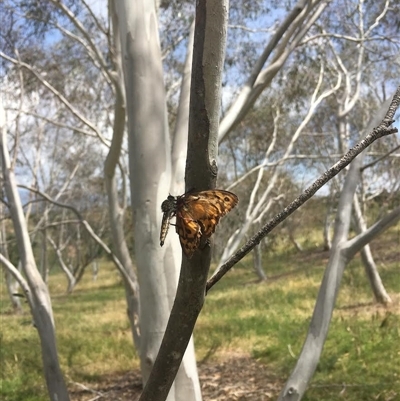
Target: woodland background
pixel 95 120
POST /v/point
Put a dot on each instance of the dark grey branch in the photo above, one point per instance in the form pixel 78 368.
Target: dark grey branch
pixel 380 131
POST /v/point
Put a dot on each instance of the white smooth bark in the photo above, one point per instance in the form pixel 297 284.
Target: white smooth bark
pixel 11 283
pixel 70 277
pixel 371 269
pixel 179 142
pixel 201 172
pixel 308 360
pixel 343 250
pixel 150 174
pixel 257 263
pixel 115 210
pixel 39 297
pixel 287 37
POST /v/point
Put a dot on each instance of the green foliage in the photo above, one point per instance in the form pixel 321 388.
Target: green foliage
pixel 360 360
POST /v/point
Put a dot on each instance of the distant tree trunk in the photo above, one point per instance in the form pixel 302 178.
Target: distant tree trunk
pixel 377 286
pixel 257 263
pixel 329 216
pixel 78 247
pixel 11 284
pixel 13 289
pixel 327 230
pixel 95 269
pixel 70 277
pixel 150 175
pixel 39 297
pixel 294 241
pixel 44 264
pixel 342 252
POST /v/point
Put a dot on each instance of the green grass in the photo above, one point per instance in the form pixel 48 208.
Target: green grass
pixel 269 321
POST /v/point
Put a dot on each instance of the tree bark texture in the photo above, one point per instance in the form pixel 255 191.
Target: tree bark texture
pixel 150 175
pixel 201 173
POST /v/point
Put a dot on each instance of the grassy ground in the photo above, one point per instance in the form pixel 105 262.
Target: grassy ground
pixel 360 361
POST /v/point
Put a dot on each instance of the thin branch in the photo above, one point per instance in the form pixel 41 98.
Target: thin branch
pixel 95 19
pixel 99 394
pixel 261 171
pixel 58 95
pixel 58 123
pixel 247 29
pixel 382 130
pixel 355 244
pixel 378 18
pixel 18 276
pixel 88 228
pixel 380 158
pixel 19 111
pixel 88 43
pixel 337 36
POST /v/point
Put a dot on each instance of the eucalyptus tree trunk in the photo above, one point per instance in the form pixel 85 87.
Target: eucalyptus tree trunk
pixel 115 210
pixel 201 173
pixel 44 260
pixel 39 298
pixel 257 263
pixel 328 224
pixel 286 38
pixel 342 252
pixel 11 283
pixel 306 364
pixel 150 178
pixel 374 278
pixel 68 273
